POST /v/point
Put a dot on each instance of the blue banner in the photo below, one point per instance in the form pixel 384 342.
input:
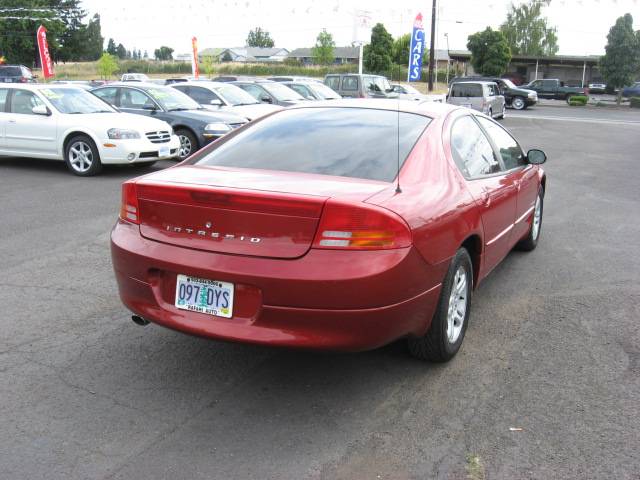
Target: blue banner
pixel 416 50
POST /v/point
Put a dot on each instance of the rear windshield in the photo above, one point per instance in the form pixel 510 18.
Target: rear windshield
pixel 11 71
pixel 341 141
pixel 466 90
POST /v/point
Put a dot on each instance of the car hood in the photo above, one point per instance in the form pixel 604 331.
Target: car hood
pixel 208 116
pixel 105 121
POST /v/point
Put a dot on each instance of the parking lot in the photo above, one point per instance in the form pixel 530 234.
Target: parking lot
pixel 547 384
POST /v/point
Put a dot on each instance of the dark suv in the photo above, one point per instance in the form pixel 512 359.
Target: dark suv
pixel 15 74
pixel 514 96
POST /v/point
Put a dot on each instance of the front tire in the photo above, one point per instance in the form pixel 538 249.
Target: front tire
pixel 449 324
pixel 188 143
pixel 518 103
pixel 82 157
pixel 530 242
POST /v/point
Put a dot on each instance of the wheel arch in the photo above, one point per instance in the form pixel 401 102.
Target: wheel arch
pixel 66 138
pixel 473 245
pixel 182 126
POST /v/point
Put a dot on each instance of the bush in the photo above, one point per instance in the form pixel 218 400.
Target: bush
pixel 578 100
pixel 634 102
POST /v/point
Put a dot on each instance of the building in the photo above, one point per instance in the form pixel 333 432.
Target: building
pixel 342 55
pixel 254 54
pixel 571 69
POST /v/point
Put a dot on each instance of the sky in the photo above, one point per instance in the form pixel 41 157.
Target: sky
pixel 582 24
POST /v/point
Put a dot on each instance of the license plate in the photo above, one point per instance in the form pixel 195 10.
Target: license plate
pixel 164 152
pixel 205 296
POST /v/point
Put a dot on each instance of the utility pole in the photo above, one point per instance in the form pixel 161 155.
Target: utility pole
pixel 433 39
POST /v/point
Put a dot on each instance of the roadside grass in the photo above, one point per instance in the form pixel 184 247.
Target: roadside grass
pixel 475 467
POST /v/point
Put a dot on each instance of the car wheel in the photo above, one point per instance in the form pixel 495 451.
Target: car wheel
pixel 518 103
pixel 490 113
pixel 449 323
pixel 531 240
pixel 82 157
pixel 504 112
pixel 188 143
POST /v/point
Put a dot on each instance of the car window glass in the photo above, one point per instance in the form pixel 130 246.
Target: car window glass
pixel 3 98
pixel 328 141
pixel 510 151
pixel 466 90
pixel 256 92
pixel 302 90
pixel 130 98
pixel 350 83
pixel 107 94
pixel 471 150
pixel 23 102
pixel 202 95
pixel 333 82
pixel 548 83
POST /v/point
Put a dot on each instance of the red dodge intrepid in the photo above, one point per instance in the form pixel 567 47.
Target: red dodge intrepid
pixel 342 225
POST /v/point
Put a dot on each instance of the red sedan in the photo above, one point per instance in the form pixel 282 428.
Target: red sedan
pixel 297 230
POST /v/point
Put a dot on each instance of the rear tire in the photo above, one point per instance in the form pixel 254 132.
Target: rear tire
pixel 449 323
pixel 188 143
pixel 518 103
pixel 82 157
pixel 530 242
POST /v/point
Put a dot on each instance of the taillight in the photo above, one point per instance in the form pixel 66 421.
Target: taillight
pixel 129 211
pixel 362 227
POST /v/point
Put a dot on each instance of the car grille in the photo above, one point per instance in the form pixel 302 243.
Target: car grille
pixel 161 136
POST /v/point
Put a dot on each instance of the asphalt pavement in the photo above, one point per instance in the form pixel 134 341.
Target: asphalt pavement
pixel 546 386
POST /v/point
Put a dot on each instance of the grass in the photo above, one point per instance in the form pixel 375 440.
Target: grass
pixel 475 467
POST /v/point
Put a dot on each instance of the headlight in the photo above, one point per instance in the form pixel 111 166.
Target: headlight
pixel 533 95
pixel 218 128
pixel 122 134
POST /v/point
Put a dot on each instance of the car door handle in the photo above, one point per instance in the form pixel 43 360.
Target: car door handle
pixel 486 198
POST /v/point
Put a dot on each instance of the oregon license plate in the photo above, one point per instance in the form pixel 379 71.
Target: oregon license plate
pixel 205 296
pixel 164 152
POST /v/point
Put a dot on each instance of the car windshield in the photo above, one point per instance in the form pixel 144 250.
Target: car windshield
pixel 281 92
pixel 347 142
pixel 235 95
pixel 322 90
pixel 171 99
pixel 75 100
pixel 509 83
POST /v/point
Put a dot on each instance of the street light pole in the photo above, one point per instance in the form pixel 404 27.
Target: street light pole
pixel 433 38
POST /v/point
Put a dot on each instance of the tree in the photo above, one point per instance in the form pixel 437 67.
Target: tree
pixel 377 55
pixel 527 32
pixel 163 53
pixel 490 52
pixel 146 55
pixel 121 52
pixel 107 65
pixel 259 38
pixel 94 40
pixel 227 57
pixel 207 65
pixel 111 47
pixel 401 46
pixel 621 60
pixel 323 51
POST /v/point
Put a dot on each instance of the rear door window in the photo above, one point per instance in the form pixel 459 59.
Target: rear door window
pixel 4 93
pixel 333 82
pixel 202 95
pixel 350 83
pixel 471 150
pixel 135 99
pixel 346 142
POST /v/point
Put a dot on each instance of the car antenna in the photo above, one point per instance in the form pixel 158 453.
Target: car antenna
pixel 398 189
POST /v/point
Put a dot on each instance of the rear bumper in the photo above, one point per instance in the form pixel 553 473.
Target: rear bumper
pixel 322 300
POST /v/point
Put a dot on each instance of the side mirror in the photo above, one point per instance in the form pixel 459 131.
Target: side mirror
pixel 265 99
pixel 536 157
pixel 149 107
pixel 41 110
pixel 216 102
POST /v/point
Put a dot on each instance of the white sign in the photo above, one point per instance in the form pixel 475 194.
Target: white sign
pixel 362 26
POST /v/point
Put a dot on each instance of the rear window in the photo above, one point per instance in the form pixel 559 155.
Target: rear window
pixel 10 71
pixel 345 142
pixel 466 90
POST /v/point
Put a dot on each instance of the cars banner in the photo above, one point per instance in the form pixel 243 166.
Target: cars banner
pixel 416 50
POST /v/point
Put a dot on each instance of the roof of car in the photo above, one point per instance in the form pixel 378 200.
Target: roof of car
pixel 430 109
pixel 203 83
pixel 142 85
pixel 482 82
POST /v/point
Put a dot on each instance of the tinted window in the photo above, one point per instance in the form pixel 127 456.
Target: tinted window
pixel 255 91
pixel 471 150
pixel 350 83
pixel 323 91
pixel 510 151
pixel 548 84
pixel 347 142
pixel 281 92
pixel 302 90
pixel 23 102
pixel 3 98
pixel 10 71
pixel 107 94
pixel 333 82
pixel 202 95
pixel 134 99
pixel 466 90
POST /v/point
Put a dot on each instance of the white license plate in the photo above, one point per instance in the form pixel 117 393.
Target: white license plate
pixel 164 152
pixel 205 296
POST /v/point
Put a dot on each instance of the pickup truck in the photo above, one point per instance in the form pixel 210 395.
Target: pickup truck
pixel 554 88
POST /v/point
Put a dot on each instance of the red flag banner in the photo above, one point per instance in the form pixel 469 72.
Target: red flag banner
pixel 45 57
pixel 194 61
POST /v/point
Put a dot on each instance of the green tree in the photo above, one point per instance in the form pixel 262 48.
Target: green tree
pixel 94 40
pixel 146 55
pixel 401 46
pixel 527 31
pixel 207 65
pixel 621 60
pixel 259 38
pixel 107 65
pixel 322 52
pixel 377 55
pixel 121 52
pixel 111 47
pixel 490 52
pixel 163 53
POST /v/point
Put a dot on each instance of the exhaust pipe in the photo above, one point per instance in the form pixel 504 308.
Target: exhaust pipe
pixel 138 320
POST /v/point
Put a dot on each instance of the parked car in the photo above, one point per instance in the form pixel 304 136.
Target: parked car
pixel 597 87
pixel 407 92
pixel 171 81
pixel 286 78
pixel 555 89
pixel 296 231
pixel 194 125
pixel 312 90
pixel 15 74
pixel 234 78
pixel 481 96
pixel 134 77
pixel 516 78
pixel 217 96
pixel 515 97
pixel 83 84
pixel 632 91
pixel 267 91
pixel 360 86
pixel 64 122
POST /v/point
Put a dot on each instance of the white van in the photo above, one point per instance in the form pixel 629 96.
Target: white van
pixel 482 96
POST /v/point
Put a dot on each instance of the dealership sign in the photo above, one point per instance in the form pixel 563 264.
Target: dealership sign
pixel 416 50
pixel 45 56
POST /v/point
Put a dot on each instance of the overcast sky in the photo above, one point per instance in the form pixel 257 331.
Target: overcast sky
pixel 582 24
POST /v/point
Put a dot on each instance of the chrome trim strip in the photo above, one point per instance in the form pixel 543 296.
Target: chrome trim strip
pixel 501 234
pixel 525 214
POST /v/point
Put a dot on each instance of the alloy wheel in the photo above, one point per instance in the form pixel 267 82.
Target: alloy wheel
pixel 80 156
pixel 537 218
pixel 457 305
pixel 185 146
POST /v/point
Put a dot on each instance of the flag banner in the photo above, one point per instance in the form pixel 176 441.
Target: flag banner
pixel 43 49
pixel 195 70
pixel 416 50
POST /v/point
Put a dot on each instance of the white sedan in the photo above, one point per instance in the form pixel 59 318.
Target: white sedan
pixel 62 122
